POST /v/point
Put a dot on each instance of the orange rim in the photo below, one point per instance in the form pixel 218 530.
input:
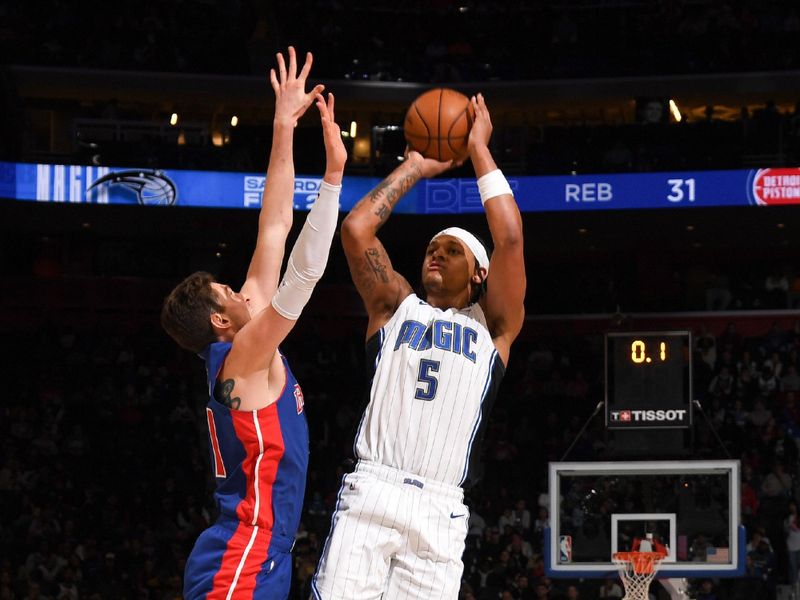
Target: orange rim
pixel 643 563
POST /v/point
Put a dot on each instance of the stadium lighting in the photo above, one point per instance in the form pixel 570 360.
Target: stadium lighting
pixel 353 129
pixel 173 120
pixel 674 110
pixel 234 121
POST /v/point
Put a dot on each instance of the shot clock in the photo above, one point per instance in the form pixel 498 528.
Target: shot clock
pixel 648 380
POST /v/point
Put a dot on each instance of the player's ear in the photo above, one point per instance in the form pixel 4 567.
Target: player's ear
pixel 219 320
pixel 479 276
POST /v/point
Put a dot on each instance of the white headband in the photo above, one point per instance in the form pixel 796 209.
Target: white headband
pixel 472 243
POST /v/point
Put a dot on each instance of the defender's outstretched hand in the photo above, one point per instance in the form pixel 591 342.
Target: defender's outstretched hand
pixel 291 99
pixel 482 124
pixel 335 152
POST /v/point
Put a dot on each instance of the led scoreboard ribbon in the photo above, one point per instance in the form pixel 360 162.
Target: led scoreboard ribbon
pixel 118 185
pixel 648 380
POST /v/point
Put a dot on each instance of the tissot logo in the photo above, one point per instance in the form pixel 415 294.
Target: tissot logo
pixel 647 416
pixel 151 186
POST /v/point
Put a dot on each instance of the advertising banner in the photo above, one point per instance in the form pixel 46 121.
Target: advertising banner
pixel 174 187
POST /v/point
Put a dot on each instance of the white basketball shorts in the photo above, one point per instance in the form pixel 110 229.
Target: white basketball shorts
pixel 393 535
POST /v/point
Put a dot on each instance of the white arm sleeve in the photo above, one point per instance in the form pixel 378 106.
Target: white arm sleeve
pixel 309 254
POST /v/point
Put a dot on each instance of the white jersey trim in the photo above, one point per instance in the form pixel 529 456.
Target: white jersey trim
pixel 257 506
pixel 381 339
pixel 479 417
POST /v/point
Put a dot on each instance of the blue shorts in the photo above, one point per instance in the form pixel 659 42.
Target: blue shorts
pixel 233 555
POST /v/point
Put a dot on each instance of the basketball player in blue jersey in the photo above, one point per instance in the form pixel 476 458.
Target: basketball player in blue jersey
pixel 257 428
pixel 436 363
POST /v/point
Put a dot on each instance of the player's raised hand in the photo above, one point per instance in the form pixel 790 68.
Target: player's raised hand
pixel 335 152
pixel 291 99
pixel 428 167
pixel 482 124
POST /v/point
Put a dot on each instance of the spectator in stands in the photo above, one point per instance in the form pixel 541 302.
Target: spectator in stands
pixel 609 589
pixel 790 382
pixel 706 346
pixel 759 416
pixel 775 339
pixel 749 497
pixel 783 449
pixel 521 516
pixel 791 526
pixel 763 562
pixel 506 519
pixel 756 538
pixel 739 413
pixel 730 339
pixel 520 549
pixel 572 592
pixel 718 293
pixel 775 363
pixel 698 549
pixel 542 520
pixel 542 590
pixel 706 591
pixel 722 385
pixel 767 381
pixel 776 489
pixel 477 524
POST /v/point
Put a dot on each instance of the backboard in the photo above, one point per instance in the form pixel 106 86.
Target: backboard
pixel 689 507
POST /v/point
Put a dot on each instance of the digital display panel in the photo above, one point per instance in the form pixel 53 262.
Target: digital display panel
pixel 648 380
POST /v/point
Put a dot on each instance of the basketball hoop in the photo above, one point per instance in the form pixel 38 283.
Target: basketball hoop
pixel 637 570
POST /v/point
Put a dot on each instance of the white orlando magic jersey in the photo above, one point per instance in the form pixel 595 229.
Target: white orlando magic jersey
pixel 436 374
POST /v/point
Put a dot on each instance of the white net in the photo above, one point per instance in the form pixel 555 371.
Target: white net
pixel 637 570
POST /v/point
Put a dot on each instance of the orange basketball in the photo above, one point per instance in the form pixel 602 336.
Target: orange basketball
pixel 437 124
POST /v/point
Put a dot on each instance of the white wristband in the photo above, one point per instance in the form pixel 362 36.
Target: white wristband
pixel 493 184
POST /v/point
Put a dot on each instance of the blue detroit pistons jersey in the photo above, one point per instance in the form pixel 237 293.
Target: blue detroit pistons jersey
pixel 259 459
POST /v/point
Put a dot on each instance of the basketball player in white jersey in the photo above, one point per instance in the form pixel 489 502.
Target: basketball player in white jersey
pixel 400 522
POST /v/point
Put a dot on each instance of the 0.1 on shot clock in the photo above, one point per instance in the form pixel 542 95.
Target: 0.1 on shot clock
pixel 641 354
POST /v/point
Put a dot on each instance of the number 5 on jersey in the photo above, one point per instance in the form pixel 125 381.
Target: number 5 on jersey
pixel 427 371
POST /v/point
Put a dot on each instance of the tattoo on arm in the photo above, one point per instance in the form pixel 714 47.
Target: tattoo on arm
pixel 382 212
pixel 224 395
pixel 378 268
pixel 373 267
pixel 376 192
pixel 407 181
pixel 392 190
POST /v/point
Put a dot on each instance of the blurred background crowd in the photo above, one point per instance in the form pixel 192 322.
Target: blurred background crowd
pixel 104 475
pixel 461 40
pixel 468 43
pixel 105 482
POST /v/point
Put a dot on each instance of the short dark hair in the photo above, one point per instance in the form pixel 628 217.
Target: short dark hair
pixel 186 310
